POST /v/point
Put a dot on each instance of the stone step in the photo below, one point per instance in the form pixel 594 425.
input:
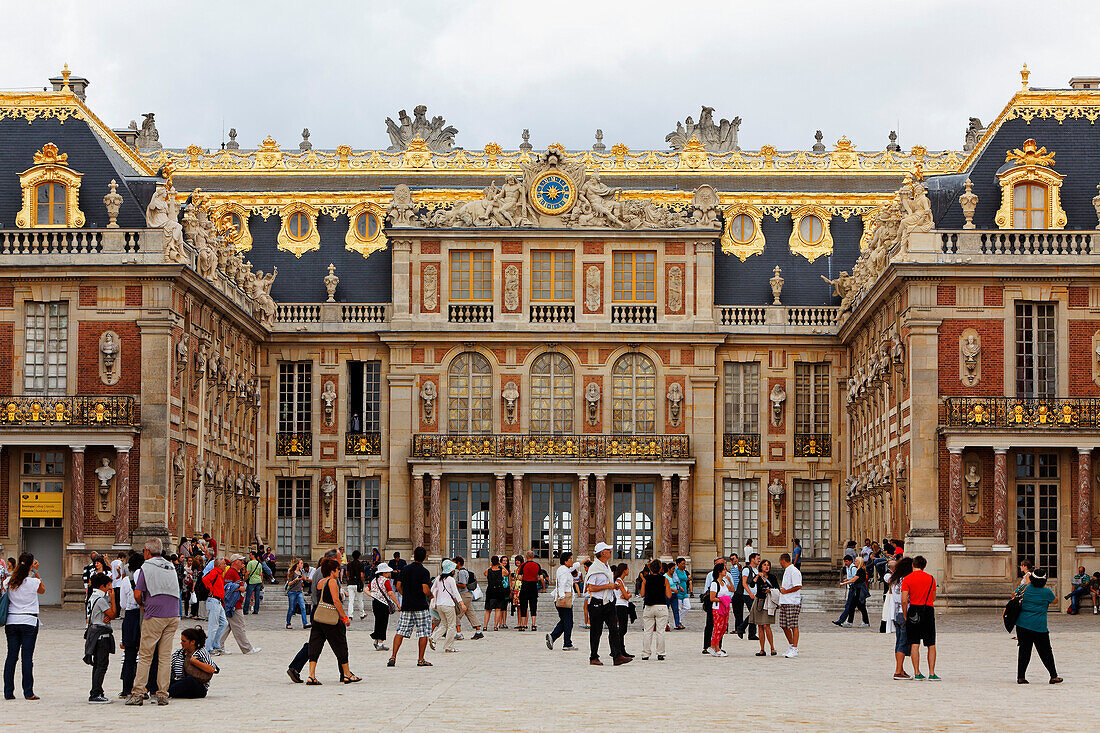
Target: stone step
pixel 824 600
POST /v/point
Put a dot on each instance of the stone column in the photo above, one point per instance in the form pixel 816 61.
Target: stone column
pixel 435 544
pixel 925 537
pixel 1083 500
pixel 955 501
pixel 122 495
pixel 684 516
pixel 517 513
pixel 666 517
pixel 76 521
pixel 601 509
pixel 582 515
pixel 1000 500
pixel 417 500
pixel 501 517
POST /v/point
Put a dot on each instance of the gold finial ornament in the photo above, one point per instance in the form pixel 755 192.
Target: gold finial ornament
pixel 1024 74
pixel 65 79
pixel 1030 154
pixel 49 155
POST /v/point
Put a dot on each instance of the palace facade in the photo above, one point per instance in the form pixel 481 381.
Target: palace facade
pixel 485 351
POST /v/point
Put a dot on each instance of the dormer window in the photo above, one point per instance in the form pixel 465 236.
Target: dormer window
pixel 298 234
pixel 1030 190
pixel 365 234
pixel 51 192
pixel 299 226
pixel 811 237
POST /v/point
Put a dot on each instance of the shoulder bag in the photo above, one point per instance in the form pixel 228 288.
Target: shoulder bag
pixel 565 600
pixel 191 670
pixel 1012 611
pixel 326 613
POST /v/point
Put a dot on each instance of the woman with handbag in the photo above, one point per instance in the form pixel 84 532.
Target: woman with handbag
pixel 892 609
pixel 448 603
pixel 719 597
pixel 496 594
pixel 764 582
pixel 563 603
pixel 622 600
pixel 329 623
pixel 1031 627
pixel 192 667
pixel 860 593
pixel 295 583
pixel 383 603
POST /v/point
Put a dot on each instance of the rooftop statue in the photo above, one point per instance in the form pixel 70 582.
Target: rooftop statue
pixel 716 138
pixel 437 134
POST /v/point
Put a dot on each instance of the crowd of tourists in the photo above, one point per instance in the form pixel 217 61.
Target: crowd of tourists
pixel 150 592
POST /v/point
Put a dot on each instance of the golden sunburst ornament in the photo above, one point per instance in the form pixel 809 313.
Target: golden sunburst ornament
pixel 553 192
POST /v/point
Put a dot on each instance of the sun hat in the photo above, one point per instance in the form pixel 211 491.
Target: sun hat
pixel 448 566
pixel 383 568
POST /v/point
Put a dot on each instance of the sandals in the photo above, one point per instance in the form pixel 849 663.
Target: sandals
pixel 1055 680
pixel 773 652
pixel 349 680
pixel 761 653
pixel 312 681
pixel 423 663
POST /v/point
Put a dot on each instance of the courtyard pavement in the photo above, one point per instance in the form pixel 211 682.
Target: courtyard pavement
pixel 510 681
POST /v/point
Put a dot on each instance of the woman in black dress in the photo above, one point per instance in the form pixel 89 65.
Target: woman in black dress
pixel 496 594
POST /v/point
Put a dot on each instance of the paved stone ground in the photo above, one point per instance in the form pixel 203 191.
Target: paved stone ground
pixel 509 681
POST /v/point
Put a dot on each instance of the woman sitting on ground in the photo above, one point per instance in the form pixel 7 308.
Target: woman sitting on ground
pixel 192 667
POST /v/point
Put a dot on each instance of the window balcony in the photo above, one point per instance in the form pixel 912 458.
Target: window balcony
pixel 363 444
pixel 1019 413
pixel 81 411
pixel 633 314
pixel 1017 242
pixel 813 445
pixel 294 444
pixel 543 447
pixel 741 445
pixel 470 313
pixel 552 313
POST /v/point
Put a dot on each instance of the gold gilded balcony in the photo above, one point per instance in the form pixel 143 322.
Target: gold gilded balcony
pixel 541 447
pixel 81 411
pixel 1023 413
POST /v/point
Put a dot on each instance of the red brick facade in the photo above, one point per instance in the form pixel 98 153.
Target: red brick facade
pixel 88 381
pixel 991 381
pixel 1081 383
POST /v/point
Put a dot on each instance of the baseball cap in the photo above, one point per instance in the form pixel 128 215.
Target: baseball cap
pixel 600 547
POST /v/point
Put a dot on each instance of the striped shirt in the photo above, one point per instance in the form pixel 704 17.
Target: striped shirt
pixel 180 655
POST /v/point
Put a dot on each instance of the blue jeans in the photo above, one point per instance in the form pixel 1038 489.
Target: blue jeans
pixel 565 626
pixel 674 605
pixel 252 591
pixel 295 602
pixel 21 640
pixel 216 624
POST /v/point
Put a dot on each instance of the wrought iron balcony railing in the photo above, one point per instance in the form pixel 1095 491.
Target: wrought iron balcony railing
pixel 1047 413
pixel 363 444
pixel 741 445
pixel 539 447
pixel 293 444
pixel 71 410
pixel 813 445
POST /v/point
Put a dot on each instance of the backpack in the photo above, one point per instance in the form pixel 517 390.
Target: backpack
pixel 471 581
pixel 201 591
pixel 4 601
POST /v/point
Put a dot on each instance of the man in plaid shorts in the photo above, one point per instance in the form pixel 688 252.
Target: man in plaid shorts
pixel 790 603
pixel 414 586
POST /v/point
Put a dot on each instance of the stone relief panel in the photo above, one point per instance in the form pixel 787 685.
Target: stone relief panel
pixel 593 288
pixel 970 357
pixel 429 287
pixel 1096 357
pixel 511 294
pixel 593 414
pixel 674 289
pixel 110 357
pixel 675 405
pixel 427 400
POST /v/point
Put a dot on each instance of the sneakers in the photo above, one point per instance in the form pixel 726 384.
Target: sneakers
pixel 478 635
pixel 933 678
pixel 380 647
pixel 99 700
pixel 660 657
pixel 791 653
pixel 254 650
pixel 721 653
pixel 569 648
pixel 459 637
pixel 549 642
pixel 901 676
pixel 135 700
pixel 862 626
pixel 392 662
pixel 847 624
pixel 162 699
pixel 918 676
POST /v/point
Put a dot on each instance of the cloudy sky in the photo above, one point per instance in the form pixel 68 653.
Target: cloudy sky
pixel 563 69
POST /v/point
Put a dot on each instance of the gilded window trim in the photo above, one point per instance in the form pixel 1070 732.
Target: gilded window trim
pixel 1034 165
pixel 242 239
pixel 309 243
pixel 50 166
pixel 800 246
pixel 743 250
pixel 369 245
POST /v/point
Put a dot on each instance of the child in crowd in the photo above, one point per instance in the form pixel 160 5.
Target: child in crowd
pixel 99 641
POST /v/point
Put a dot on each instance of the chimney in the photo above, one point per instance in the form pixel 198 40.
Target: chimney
pixel 78 84
pixel 1085 82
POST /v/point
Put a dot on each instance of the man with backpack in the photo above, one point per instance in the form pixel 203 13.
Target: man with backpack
pixel 216 620
pixel 467 584
pixel 530 573
pixel 254 578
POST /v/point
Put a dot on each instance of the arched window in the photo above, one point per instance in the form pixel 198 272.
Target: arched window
pixel 50 205
pixel 633 395
pixel 470 390
pixel 366 226
pixel 1029 206
pixel 743 229
pixel 299 226
pixel 551 394
pixel 810 229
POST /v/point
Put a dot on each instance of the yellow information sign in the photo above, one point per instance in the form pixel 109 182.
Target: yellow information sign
pixel 41 504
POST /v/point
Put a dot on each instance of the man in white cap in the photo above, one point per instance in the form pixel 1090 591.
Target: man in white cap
pixel 599 583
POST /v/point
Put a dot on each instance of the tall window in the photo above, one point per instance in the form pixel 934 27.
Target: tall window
pixel 50 205
pixel 361 522
pixel 740 513
pixel 365 396
pixel 470 394
pixel 551 518
pixel 43 471
pixel 46 348
pixel 811 404
pixel 472 275
pixel 742 397
pixel 633 395
pixel 292 529
pixel 633 528
pixel 1029 206
pixel 811 517
pixel 1036 368
pixel 468 519
pixel 633 277
pixel 1037 510
pixel 551 394
pixel 295 397
pixel 552 275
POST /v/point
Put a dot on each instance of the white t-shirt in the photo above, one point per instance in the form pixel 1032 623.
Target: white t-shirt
pixel 563 584
pixel 23 603
pixel 446 592
pixel 792 576
pixel 748 550
pixel 117 573
pixel 619 600
pixel 721 588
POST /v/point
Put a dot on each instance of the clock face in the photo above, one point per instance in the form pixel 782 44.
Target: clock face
pixel 553 193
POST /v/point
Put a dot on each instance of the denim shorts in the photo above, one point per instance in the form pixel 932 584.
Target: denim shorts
pixel 901 643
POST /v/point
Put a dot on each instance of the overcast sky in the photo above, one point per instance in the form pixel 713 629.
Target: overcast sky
pixel 562 69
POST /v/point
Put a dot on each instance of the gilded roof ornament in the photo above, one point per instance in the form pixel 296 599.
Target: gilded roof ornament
pixel 715 138
pixel 49 155
pixel 1030 154
pixel 1024 74
pixel 436 134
